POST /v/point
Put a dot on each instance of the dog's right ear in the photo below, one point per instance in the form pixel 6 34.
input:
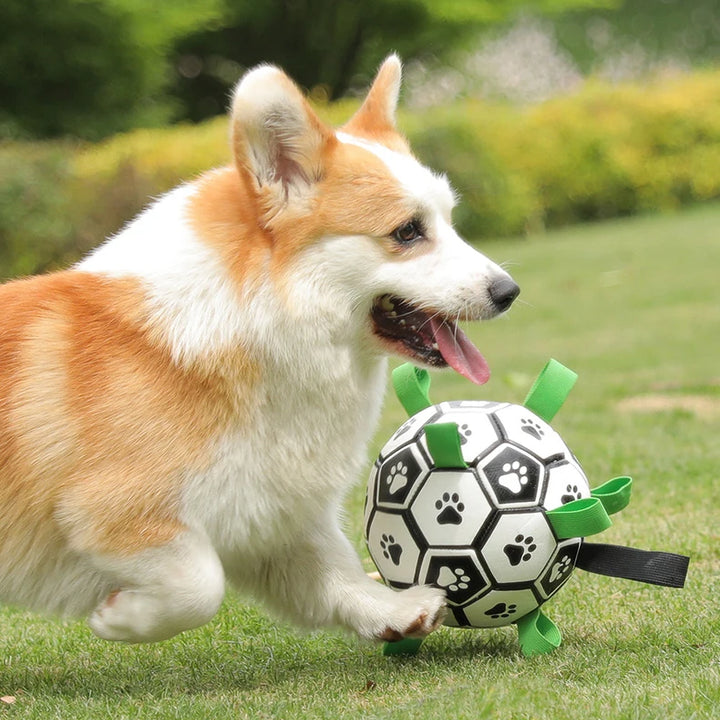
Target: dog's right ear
pixel 376 117
pixel 277 140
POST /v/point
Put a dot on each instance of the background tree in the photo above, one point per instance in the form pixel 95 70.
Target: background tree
pixel 90 68
pixel 327 45
pixel 68 68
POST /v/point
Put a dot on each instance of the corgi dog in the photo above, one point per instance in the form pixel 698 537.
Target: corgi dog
pixel 188 405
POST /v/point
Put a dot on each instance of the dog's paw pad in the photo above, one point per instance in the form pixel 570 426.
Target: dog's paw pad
pixel 425 621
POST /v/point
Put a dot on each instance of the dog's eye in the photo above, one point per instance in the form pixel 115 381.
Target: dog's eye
pixel 408 233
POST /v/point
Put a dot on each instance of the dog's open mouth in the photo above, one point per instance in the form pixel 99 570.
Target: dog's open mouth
pixel 426 337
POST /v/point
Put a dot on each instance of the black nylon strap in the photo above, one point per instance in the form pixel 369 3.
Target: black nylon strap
pixel 656 568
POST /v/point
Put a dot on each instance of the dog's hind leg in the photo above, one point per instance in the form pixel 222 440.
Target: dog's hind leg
pixel 160 591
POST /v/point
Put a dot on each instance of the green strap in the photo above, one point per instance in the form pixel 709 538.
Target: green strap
pixel 549 391
pixel 614 494
pixel 579 518
pixel 537 634
pixel 443 442
pixel 406 646
pixel 412 385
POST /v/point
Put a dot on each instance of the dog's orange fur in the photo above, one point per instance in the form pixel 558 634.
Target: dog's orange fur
pixel 226 217
pixel 88 416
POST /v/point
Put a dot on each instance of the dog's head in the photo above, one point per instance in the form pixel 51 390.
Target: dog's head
pixel 354 223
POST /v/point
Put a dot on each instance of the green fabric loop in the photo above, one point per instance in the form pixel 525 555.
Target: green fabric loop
pixel 406 646
pixel 550 390
pixel 579 518
pixel 614 494
pixel 443 442
pixel 537 634
pixel 412 385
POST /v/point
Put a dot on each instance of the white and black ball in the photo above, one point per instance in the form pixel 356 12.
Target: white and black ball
pixel 480 533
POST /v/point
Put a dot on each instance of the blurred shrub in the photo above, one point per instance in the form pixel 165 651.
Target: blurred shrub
pixel 603 152
pixel 75 68
pixel 37 228
pixel 466 143
pixel 113 180
pixel 606 151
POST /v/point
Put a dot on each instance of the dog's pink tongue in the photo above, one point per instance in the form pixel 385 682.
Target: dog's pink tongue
pixel 459 352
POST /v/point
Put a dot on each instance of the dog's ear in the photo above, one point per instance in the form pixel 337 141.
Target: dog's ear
pixel 376 116
pixel 278 141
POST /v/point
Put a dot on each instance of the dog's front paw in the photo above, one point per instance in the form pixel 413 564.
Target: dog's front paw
pixel 419 611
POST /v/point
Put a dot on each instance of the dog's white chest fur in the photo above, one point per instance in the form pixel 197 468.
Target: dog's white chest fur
pixel 275 473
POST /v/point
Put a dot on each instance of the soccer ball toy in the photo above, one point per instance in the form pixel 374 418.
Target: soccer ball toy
pixel 486 501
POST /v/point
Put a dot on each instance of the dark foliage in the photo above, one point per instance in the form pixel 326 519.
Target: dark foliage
pixel 325 44
pixel 68 68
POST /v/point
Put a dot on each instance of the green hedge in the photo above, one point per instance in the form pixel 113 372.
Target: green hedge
pixel 38 222
pixel 604 152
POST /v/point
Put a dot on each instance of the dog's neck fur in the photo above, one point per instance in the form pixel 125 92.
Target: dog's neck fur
pixel 201 309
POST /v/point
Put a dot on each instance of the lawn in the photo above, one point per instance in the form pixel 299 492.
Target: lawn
pixel 633 307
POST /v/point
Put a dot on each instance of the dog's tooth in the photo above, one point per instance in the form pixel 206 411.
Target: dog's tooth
pixel 435 346
pixel 387 304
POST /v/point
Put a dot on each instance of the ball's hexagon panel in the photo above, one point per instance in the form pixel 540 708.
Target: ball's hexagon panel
pixel 408 431
pixel 393 548
pixel 399 477
pixel 528 430
pixel 450 508
pixel 565 482
pixel 500 607
pixel 559 568
pixel 513 477
pixel 457 572
pixel 519 547
pixel 475 428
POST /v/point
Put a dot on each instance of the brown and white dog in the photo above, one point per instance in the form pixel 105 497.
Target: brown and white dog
pixel 191 402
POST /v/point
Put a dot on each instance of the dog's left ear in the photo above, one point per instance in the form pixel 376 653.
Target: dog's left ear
pixel 376 116
pixel 277 139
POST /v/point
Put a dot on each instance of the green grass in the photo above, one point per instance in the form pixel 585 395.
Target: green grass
pixel 634 308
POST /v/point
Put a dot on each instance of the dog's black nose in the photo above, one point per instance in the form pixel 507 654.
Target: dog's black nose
pixel 503 292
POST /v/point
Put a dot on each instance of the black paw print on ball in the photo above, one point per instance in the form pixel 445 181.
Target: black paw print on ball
pixel 501 610
pixel 572 492
pixel 451 509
